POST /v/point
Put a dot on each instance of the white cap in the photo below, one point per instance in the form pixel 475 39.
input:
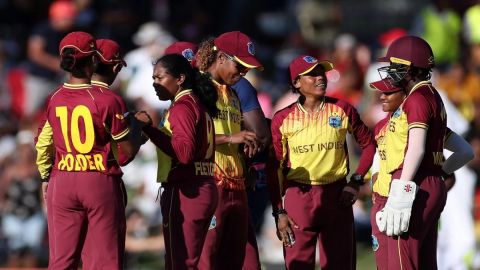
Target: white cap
pixel 151 32
pixel 24 137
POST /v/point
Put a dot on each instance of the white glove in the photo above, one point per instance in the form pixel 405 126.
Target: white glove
pixel 394 218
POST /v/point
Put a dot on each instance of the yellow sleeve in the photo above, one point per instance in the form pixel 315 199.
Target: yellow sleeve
pixel 45 151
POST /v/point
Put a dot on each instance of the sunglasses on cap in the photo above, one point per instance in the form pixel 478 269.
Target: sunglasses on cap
pixel 241 68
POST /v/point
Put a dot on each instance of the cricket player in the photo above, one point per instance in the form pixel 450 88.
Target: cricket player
pixel 309 137
pixel 81 178
pixel 186 151
pixel 408 203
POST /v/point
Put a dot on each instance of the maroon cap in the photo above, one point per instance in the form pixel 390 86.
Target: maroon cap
pixel 304 64
pixel 385 86
pixel 410 50
pixel 82 42
pixel 109 52
pixel 186 49
pixel 238 45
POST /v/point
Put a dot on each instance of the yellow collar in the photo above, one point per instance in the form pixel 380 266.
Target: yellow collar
pixel 99 83
pixel 76 86
pixel 182 93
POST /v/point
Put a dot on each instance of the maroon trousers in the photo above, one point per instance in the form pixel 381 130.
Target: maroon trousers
pixel 417 248
pixel 187 209
pixel 320 217
pixel 81 204
pixel 227 235
pixel 252 258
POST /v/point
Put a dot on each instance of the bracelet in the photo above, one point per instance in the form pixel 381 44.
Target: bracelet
pixel 229 139
pixel 280 211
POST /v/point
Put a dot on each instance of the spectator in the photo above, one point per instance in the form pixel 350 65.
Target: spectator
pixel 23 221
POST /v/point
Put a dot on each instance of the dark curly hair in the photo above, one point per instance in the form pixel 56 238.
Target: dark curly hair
pixel 200 83
pixel 206 54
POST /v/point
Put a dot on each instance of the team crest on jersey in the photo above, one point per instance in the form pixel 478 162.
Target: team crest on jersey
pixel 335 121
pixel 213 223
pixel 397 113
pixel 251 48
pixel 188 54
pixel 310 59
pixel 375 244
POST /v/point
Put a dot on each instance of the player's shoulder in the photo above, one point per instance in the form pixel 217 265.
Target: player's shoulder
pixel 283 113
pixel 104 96
pixel 342 104
pixel 380 125
pixel 244 87
pixel 52 95
pixel 65 92
pixel 424 91
pixel 186 103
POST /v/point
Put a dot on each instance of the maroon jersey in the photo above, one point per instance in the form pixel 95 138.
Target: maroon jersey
pixel 105 89
pixel 423 108
pixel 80 123
pixel 185 141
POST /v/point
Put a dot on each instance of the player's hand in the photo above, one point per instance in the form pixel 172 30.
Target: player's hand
pixel 394 218
pixel 285 231
pixel 251 149
pixel 349 194
pixel 249 139
pixel 144 118
pixel 449 180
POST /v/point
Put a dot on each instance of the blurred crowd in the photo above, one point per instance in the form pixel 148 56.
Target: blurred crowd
pixel 351 34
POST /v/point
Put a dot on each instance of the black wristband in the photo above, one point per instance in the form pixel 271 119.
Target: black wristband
pixel 277 212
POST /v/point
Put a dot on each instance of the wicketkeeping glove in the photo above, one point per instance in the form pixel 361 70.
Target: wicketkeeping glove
pixel 394 218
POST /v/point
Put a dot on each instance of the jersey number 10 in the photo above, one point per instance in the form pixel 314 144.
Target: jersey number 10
pixel 78 112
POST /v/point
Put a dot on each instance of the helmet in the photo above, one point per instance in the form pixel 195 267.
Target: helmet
pixel 410 51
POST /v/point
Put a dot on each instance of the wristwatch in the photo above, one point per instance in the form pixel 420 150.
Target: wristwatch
pixel 357 179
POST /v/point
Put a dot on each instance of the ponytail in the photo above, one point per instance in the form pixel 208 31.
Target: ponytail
pixel 206 54
pixel 67 59
pixel 206 92
pixel 71 63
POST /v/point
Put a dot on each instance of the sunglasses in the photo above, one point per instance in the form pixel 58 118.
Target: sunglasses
pixel 241 68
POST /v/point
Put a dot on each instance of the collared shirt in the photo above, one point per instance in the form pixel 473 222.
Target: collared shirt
pixel 423 108
pixel 185 141
pixel 77 129
pixel 229 169
pixel 311 147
